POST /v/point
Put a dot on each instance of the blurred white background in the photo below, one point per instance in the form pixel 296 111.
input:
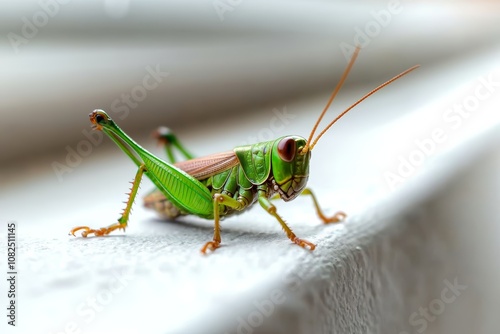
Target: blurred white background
pixel 62 59
pixel 218 72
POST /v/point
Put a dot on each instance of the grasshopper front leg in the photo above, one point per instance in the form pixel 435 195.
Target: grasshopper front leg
pixel 271 209
pixel 338 217
pixel 123 220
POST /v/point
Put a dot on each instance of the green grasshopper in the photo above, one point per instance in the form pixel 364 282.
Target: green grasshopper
pixel 225 183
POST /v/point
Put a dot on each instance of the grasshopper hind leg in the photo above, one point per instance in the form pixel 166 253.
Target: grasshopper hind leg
pixel 123 220
pixel 168 140
pixel 155 199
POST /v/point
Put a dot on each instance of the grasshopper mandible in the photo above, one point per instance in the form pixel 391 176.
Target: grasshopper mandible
pixel 225 183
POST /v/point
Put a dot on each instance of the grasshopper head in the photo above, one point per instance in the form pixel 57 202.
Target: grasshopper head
pixel 290 166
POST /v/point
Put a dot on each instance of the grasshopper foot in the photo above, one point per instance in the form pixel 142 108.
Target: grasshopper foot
pixel 99 232
pixel 304 243
pixel 211 245
pixel 338 217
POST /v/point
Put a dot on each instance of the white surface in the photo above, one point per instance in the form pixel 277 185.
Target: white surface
pixel 366 275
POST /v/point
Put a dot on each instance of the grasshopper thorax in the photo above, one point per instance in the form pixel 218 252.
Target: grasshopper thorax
pixel 290 166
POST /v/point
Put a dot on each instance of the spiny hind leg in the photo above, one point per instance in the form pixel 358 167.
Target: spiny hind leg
pixel 339 216
pixel 271 209
pixel 220 200
pixel 123 220
pixel 167 139
pixel 155 199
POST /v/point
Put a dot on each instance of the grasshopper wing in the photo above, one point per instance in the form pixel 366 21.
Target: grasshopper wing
pixel 179 182
pixel 198 168
pixel 201 168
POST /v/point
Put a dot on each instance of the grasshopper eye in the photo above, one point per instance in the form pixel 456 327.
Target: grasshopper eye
pixel 287 149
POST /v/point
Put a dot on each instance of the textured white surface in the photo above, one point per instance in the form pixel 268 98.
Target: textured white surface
pixel 366 276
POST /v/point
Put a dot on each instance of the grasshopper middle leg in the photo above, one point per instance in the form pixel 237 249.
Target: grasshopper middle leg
pixel 220 199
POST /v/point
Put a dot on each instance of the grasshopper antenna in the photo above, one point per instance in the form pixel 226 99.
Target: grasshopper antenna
pixel 361 100
pixel 334 93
